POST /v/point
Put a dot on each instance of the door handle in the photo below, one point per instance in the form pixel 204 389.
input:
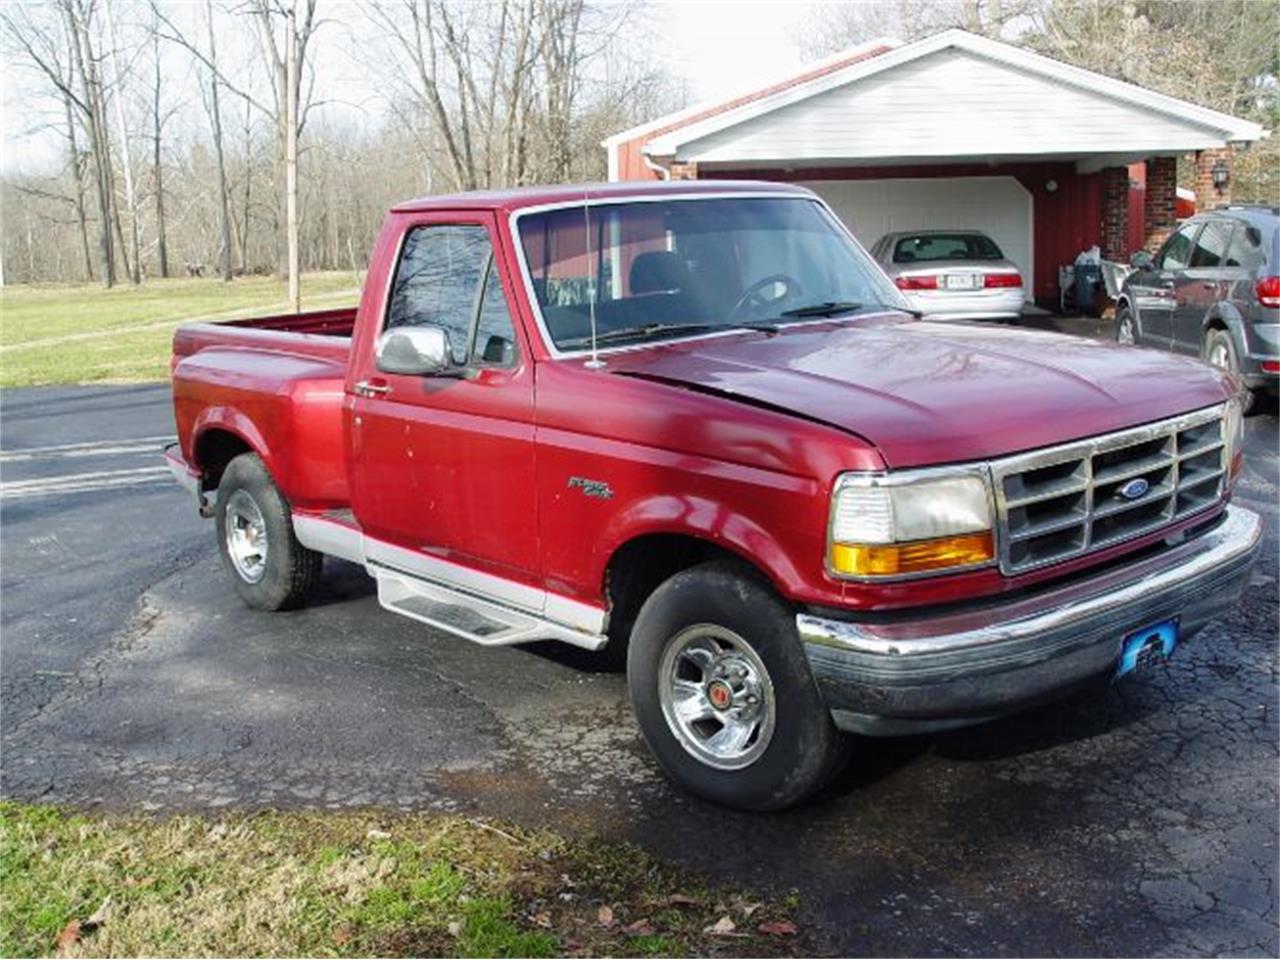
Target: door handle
pixel 369 388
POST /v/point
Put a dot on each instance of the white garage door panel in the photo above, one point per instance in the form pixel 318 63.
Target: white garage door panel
pixel 998 206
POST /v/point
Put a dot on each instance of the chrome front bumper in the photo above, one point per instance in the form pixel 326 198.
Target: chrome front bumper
pixel 888 676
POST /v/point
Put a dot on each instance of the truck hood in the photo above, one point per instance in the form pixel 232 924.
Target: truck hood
pixel 932 393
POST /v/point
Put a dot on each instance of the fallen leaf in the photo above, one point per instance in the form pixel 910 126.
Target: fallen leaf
pixel 749 908
pixel 101 915
pixel 542 919
pixel 778 928
pixel 605 916
pixel 375 834
pixel 455 928
pixel 682 900
pixel 342 936
pixel 218 832
pixel 69 935
pixel 722 926
pixel 641 928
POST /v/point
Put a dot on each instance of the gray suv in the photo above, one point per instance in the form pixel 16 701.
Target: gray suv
pixel 1213 290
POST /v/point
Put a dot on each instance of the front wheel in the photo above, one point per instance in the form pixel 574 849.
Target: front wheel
pixel 723 693
pixel 270 569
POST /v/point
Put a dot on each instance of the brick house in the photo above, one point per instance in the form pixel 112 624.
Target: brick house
pixel 958 131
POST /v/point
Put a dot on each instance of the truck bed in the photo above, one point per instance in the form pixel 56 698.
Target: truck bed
pixel 315 333
pixel 272 384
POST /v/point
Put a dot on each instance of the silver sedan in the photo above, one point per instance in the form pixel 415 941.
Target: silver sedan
pixel 952 274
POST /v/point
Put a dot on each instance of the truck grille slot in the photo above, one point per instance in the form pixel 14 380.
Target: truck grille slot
pixel 1067 501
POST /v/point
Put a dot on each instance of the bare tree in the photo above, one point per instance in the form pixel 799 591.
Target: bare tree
pixel 215 118
pixel 126 164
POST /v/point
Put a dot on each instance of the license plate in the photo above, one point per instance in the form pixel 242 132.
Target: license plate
pixel 1147 647
pixel 961 281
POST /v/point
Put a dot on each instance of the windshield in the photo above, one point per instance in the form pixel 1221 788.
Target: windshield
pixel 948 246
pixel 655 270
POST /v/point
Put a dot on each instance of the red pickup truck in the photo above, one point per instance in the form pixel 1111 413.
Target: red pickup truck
pixel 693 423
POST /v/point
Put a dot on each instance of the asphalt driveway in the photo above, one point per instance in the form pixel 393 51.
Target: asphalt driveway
pixel 1138 819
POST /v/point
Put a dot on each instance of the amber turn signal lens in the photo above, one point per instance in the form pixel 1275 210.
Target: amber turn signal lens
pixel 920 556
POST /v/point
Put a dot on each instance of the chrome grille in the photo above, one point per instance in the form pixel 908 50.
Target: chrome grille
pixel 1065 501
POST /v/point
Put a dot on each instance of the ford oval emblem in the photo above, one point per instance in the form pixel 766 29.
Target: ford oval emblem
pixel 1134 489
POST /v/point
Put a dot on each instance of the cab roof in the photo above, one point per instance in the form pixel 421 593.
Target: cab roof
pixel 519 197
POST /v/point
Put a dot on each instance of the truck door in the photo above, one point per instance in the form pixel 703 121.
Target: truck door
pixel 443 465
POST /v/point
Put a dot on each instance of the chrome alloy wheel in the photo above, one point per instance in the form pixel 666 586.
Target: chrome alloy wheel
pixel 1220 355
pixel 1124 333
pixel 716 696
pixel 246 537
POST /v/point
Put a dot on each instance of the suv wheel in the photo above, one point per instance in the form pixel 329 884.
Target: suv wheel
pixel 1220 350
pixel 723 693
pixel 270 569
pixel 1126 333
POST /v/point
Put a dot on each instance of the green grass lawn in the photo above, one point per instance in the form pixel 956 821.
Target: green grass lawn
pixel 351 884
pixel 84 334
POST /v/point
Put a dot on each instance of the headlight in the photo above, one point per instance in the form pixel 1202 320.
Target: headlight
pixel 1233 435
pixel 900 524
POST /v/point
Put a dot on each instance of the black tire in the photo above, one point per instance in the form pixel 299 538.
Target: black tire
pixel 1124 317
pixel 804 749
pixel 289 570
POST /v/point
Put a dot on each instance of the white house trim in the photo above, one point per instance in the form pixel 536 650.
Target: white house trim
pixel 1221 126
pixel 678 116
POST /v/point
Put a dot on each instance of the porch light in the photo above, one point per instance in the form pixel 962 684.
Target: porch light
pixel 1221 174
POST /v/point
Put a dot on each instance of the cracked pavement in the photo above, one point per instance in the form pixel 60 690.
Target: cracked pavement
pixel 1136 819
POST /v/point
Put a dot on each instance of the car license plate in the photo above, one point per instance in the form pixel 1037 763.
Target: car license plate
pixel 961 281
pixel 1147 647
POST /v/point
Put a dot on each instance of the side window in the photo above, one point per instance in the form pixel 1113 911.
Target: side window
pixel 1211 246
pixel 495 341
pixel 445 278
pixel 1176 253
pixel 1246 249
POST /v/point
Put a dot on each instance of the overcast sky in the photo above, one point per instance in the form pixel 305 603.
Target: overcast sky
pixel 717 48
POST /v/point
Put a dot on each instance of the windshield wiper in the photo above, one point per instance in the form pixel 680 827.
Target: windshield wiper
pixel 673 329
pixel 828 308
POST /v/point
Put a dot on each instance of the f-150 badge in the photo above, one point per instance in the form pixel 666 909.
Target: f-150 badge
pixel 591 488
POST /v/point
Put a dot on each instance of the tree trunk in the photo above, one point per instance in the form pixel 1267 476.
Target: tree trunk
pixel 82 55
pixel 130 197
pixel 291 157
pixel 224 201
pixel 162 243
pixel 82 221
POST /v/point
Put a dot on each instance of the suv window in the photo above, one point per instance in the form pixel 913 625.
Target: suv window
pixel 1211 246
pixel 1247 249
pixel 1176 252
pixel 446 277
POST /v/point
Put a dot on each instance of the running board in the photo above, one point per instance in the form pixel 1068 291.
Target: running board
pixel 470 617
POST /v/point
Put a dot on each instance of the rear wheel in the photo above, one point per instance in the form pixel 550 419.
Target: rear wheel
pixel 269 568
pixel 1126 332
pixel 1220 350
pixel 723 693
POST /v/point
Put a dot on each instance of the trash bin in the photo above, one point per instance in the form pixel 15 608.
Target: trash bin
pixel 1088 277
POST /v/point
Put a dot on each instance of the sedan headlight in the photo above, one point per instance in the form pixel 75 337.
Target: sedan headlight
pixel 1233 435
pixel 902 524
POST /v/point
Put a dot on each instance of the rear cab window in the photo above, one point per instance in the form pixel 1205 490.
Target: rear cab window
pixel 446 276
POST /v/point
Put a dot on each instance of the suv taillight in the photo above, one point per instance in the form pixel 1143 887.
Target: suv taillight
pixel 1268 289
pixel 916 283
pixel 1002 280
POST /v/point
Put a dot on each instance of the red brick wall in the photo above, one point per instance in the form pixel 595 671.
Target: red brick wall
pixel 1160 206
pixel 1115 214
pixel 1207 195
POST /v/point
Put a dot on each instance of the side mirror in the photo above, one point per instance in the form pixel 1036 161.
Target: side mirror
pixel 414 351
pixel 1141 260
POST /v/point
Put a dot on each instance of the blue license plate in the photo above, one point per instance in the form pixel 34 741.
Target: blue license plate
pixel 1146 647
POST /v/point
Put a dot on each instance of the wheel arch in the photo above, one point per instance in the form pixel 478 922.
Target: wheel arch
pixel 219 439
